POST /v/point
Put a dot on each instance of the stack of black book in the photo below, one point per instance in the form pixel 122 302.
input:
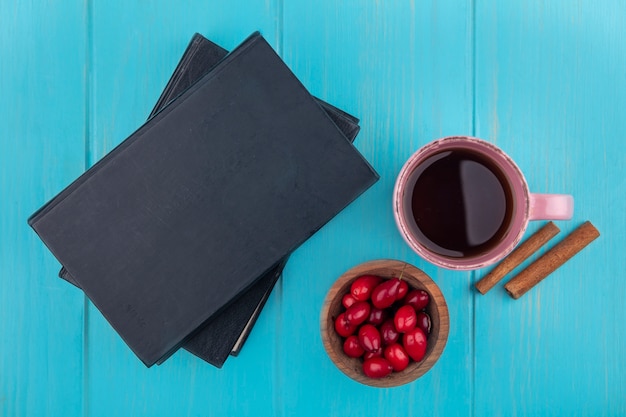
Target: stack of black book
pixel 179 234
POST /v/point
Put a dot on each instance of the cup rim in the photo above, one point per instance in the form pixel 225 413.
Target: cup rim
pixel 520 218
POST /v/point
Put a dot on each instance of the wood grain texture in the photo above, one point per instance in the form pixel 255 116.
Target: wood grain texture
pixel 543 80
pixel 405 69
pixel 134 49
pixel 42 119
pixel 550 91
pixel 437 309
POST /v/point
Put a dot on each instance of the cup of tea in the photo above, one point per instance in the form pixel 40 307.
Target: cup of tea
pixel 462 203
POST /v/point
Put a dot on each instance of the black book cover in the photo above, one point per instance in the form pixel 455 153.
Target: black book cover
pixel 190 210
pixel 227 332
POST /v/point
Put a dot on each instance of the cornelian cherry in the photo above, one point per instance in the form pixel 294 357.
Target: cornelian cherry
pixel 405 319
pixel 423 321
pixel 352 347
pixel 397 357
pixel 377 367
pixel 385 293
pixel 358 312
pixel 369 337
pixel 377 316
pixel 343 327
pixel 414 343
pixel 361 288
pixel 375 354
pixel 348 300
pixel 403 288
pixel 418 299
pixel 376 313
pixel 388 332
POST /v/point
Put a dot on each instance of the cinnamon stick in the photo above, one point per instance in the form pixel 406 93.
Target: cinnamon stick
pixel 551 260
pixel 519 255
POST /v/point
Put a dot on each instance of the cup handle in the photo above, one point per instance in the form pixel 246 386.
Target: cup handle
pixel 551 207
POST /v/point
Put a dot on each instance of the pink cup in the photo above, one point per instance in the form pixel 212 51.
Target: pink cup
pixel 526 206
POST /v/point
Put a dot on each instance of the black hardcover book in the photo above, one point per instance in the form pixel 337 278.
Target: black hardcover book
pixel 227 332
pixel 202 200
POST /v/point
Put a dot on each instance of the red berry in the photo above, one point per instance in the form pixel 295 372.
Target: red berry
pixel 423 321
pixel 348 300
pixel 352 347
pixel 415 344
pixel 377 311
pixel 362 287
pixel 397 357
pixel 358 312
pixel 377 316
pixel 385 293
pixel 343 327
pixel 375 354
pixel 369 337
pixel 377 367
pixel 388 332
pixel 418 299
pixel 403 288
pixel 405 319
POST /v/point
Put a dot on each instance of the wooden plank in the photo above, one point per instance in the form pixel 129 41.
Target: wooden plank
pixel 550 90
pixel 549 82
pixel 42 114
pixel 135 48
pixel 404 68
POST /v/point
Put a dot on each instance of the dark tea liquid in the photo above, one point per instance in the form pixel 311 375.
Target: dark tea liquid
pixel 461 203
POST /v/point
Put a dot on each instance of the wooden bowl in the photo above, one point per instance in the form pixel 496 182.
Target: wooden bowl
pixel 437 309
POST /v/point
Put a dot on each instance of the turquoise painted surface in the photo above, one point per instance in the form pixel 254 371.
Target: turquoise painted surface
pixel 544 80
pixel 42 130
pixel 551 89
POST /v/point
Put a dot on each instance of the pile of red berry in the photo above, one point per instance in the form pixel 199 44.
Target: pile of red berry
pixel 377 313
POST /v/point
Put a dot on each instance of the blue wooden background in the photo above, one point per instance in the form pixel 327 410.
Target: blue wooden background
pixel 545 80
